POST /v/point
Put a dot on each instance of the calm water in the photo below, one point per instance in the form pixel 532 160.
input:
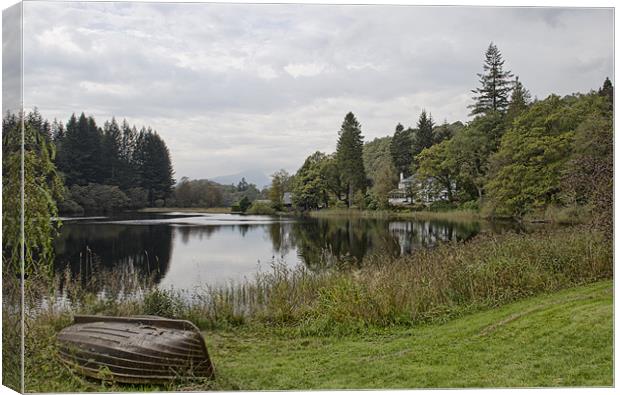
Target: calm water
pixel 185 250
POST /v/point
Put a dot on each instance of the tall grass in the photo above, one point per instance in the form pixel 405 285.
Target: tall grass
pixel 429 285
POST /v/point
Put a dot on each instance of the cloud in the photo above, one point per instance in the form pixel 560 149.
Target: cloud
pixel 236 86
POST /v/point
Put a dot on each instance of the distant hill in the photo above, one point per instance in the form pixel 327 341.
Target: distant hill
pixel 251 176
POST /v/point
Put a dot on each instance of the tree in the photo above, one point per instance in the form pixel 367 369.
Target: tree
pixel 386 180
pixel 280 183
pixel 401 150
pixel 438 164
pixel 29 170
pixel 111 149
pixel 471 150
pixel 424 136
pixel 127 177
pixel 495 83
pixel 588 175
pixel 607 91
pixel 526 172
pixel 153 165
pixel 519 101
pixel 310 186
pixel 349 152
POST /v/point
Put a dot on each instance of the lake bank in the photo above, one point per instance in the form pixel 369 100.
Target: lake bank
pixel 563 338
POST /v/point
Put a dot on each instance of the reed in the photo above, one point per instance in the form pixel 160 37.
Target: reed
pixel 430 285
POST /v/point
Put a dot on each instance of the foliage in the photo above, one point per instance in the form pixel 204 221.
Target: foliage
pixel 96 198
pixel 153 165
pixel 495 86
pixel 243 204
pixel 438 164
pixel 261 208
pixel 163 303
pixel 526 172
pixel 310 188
pixel 587 178
pixel 281 182
pixel 401 150
pixel 198 193
pixel 349 152
pixel 42 187
pixel 424 135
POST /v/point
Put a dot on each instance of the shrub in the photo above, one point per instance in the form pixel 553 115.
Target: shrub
pixel 260 208
pixel 163 303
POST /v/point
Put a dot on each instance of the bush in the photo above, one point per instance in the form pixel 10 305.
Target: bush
pixel 163 303
pixel 98 198
pixel 138 197
pixel 470 205
pixel 260 208
pixel 69 206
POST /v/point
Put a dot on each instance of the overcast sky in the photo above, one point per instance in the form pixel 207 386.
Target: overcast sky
pixel 235 87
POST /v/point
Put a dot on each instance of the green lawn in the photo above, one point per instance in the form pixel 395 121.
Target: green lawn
pixel 562 339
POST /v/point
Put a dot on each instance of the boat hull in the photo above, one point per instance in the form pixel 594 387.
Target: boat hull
pixel 136 350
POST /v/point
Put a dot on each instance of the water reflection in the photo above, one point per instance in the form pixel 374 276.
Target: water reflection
pixel 185 252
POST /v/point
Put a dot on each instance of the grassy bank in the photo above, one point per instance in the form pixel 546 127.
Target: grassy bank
pixel 453 215
pixel 397 322
pixel 558 339
pixel 430 285
pixel 213 210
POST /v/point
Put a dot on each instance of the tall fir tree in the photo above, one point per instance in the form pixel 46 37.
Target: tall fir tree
pixel 111 146
pixel 607 91
pixel 495 85
pixel 519 100
pixel 401 150
pixel 349 152
pixel 424 136
pixel 153 165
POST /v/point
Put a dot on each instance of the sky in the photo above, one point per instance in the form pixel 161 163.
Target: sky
pixel 232 87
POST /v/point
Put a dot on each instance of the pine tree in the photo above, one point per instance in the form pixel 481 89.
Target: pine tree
pixel 424 135
pixel 519 100
pixel 349 157
pixel 607 91
pixel 111 150
pixel 127 177
pixel 495 85
pixel 153 165
pixel 401 150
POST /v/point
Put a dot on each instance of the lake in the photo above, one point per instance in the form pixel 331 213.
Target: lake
pixel 186 251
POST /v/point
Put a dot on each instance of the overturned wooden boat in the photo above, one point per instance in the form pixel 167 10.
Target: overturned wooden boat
pixel 136 350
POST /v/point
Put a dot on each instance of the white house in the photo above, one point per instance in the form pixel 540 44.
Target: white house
pixel 411 190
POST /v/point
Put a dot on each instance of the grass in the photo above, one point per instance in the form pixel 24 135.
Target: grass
pixel 212 210
pixel 437 284
pixel 558 339
pixel 440 317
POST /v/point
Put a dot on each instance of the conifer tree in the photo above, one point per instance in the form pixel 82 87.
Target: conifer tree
pixel 607 91
pixel 495 85
pixel 424 136
pixel 111 151
pixel 401 150
pixel 519 100
pixel 153 165
pixel 349 157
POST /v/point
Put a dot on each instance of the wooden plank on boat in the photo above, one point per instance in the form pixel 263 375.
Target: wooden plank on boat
pixel 136 350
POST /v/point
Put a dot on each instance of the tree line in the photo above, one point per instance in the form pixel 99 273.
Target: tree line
pixel 103 168
pixel 517 155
